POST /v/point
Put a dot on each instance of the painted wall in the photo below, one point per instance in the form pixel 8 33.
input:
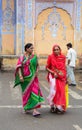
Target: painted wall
pixel 8 27
pixel 42 23
pixel 53 27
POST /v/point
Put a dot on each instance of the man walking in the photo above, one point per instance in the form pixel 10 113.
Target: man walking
pixel 71 61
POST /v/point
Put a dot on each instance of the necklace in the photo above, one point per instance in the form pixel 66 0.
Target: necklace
pixel 28 56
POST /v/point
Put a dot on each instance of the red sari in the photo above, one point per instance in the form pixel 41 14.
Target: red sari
pixel 56 63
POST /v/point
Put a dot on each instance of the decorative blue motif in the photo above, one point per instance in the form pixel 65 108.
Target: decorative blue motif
pixel 21 11
pixel 78 24
pixel 21 21
pixel 8 18
pixel 0 25
pixel 54 20
pixel 30 14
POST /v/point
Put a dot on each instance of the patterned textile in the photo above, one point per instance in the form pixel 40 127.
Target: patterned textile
pixel 31 92
pixel 56 63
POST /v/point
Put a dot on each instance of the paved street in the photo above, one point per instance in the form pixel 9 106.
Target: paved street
pixel 12 116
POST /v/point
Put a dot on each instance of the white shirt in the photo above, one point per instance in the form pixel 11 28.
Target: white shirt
pixel 71 55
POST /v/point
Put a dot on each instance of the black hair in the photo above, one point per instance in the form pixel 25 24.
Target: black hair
pixel 69 45
pixel 28 45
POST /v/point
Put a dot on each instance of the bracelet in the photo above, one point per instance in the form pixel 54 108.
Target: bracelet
pixel 20 76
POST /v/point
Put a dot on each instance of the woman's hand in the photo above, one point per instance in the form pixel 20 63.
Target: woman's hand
pixel 36 72
pixel 20 75
pixel 52 72
pixel 21 78
pixel 55 75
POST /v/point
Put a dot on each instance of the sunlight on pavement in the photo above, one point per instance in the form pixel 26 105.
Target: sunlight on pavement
pixel 77 127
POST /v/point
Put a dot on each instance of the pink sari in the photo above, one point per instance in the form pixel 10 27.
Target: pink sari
pixel 31 92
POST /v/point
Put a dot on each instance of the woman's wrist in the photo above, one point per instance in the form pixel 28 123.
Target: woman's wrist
pixel 52 72
pixel 20 76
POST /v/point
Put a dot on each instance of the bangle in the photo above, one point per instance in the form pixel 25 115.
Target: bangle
pixel 20 76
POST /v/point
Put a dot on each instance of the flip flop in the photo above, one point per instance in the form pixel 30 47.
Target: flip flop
pixel 27 111
pixel 36 114
pixel 52 110
pixel 59 111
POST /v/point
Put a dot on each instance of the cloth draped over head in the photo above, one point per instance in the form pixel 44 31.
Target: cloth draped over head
pixel 56 63
pixel 58 60
pixel 56 45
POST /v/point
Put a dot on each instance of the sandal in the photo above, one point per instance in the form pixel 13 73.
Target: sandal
pixel 35 114
pixel 59 111
pixel 52 110
pixel 27 111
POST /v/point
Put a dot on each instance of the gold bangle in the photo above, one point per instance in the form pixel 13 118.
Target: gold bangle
pixel 20 76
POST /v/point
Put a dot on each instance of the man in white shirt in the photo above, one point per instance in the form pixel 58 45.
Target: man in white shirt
pixel 71 62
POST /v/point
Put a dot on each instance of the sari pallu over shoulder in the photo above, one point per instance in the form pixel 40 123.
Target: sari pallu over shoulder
pixel 57 65
pixel 28 68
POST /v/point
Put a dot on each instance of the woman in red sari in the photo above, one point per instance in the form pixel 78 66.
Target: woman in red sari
pixel 57 79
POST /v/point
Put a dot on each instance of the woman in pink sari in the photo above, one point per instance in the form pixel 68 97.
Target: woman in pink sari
pixel 57 79
pixel 26 77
